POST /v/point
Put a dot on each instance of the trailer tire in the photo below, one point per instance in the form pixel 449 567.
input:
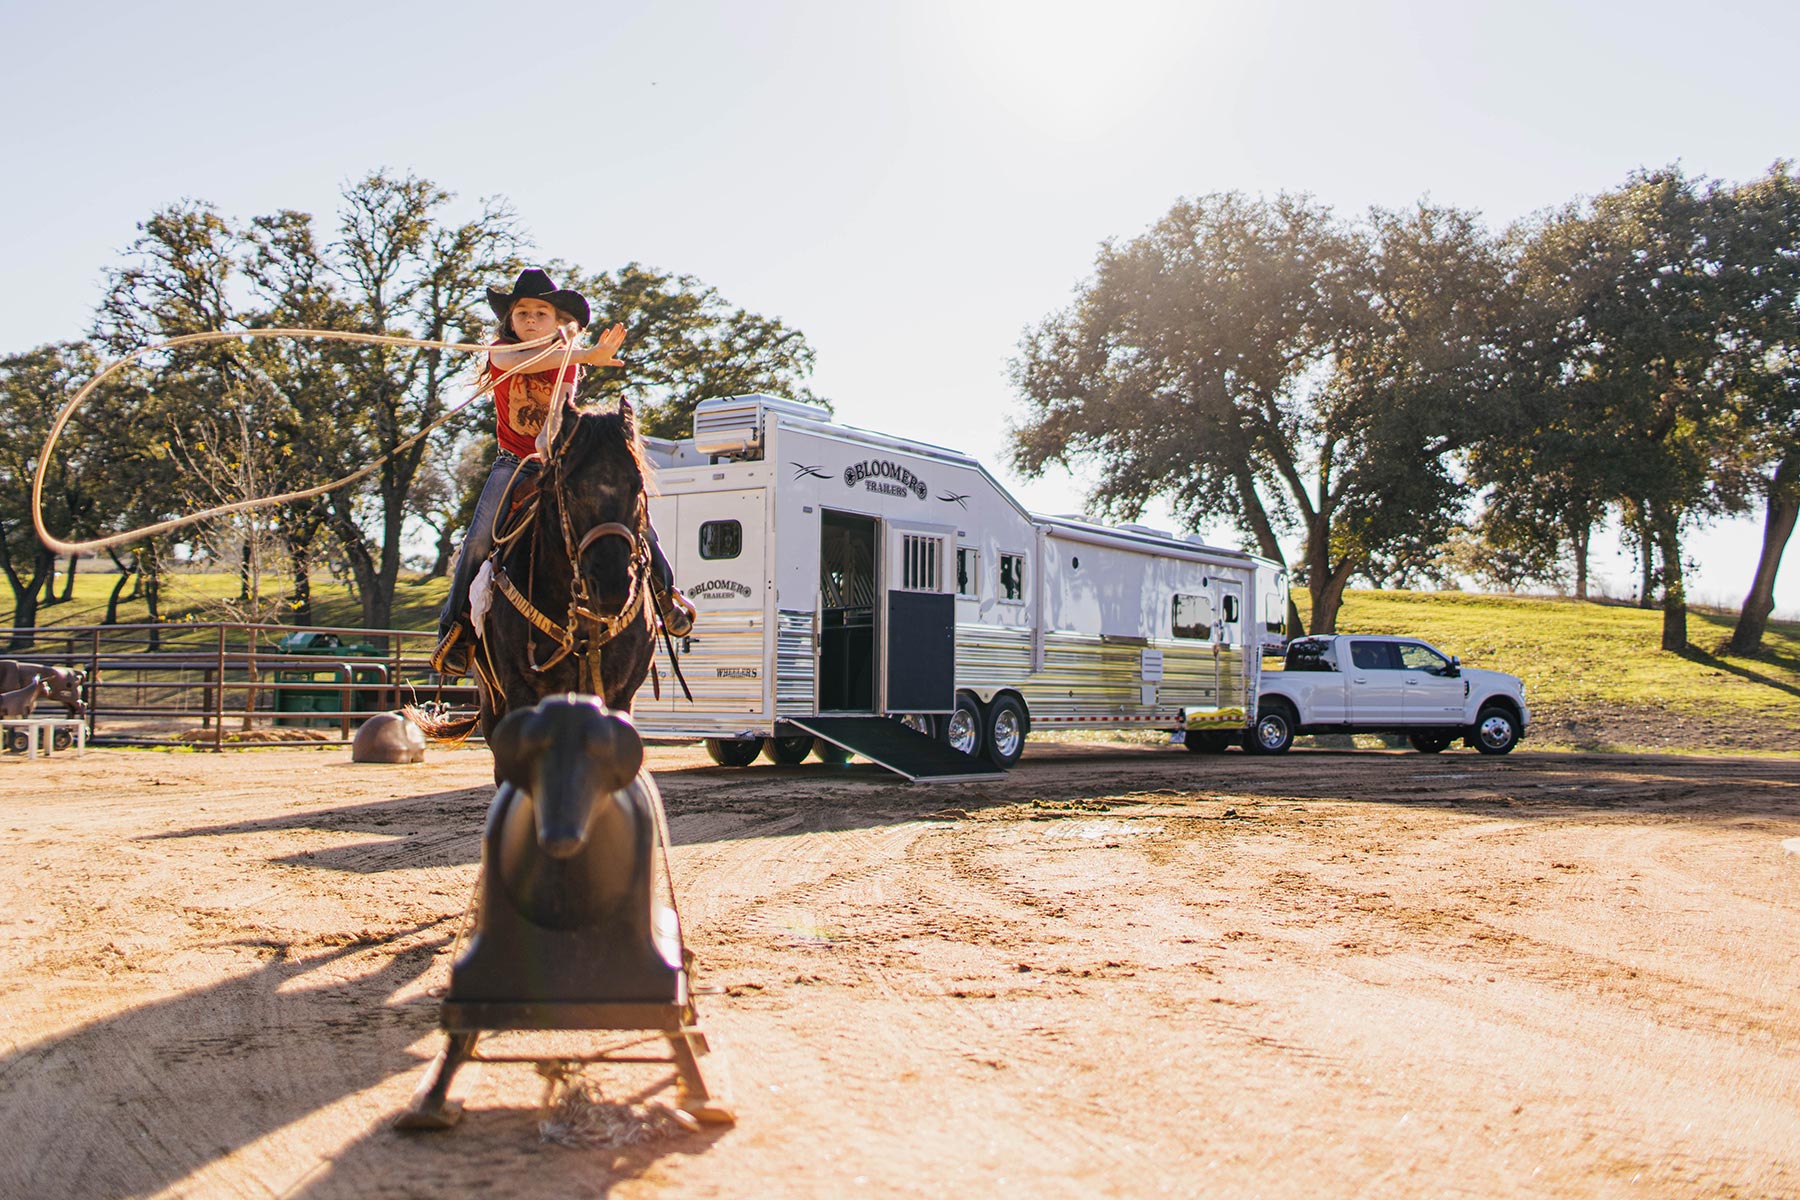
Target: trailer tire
pixel 1004 731
pixel 1207 741
pixel 962 728
pixel 830 752
pixel 920 723
pixel 787 751
pixel 733 752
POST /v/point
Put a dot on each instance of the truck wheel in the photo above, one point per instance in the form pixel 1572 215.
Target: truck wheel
pixel 1496 730
pixel 830 752
pixel 1273 732
pixel 1004 732
pixel 787 751
pixel 1202 742
pixel 963 727
pixel 1431 743
pixel 733 752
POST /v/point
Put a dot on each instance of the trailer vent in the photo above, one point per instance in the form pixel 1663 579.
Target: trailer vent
pixel 735 426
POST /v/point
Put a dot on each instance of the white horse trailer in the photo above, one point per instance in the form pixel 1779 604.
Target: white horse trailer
pixel 844 578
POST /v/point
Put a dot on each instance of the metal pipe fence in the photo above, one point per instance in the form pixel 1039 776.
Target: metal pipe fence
pixel 219 684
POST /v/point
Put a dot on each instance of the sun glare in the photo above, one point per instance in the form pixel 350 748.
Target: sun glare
pixel 1074 69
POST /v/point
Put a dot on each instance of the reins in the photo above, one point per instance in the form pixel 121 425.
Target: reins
pixel 584 631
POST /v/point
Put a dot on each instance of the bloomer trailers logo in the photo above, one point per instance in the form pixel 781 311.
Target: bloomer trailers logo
pixel 719 589
pixel 888 478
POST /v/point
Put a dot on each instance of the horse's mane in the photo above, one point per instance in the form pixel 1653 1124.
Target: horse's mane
pixel 601 430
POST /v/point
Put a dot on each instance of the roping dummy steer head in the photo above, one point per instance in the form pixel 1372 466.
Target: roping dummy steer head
pixel 567 914
pixel 570 932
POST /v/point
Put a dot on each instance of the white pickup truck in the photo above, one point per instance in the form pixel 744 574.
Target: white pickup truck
pixel 1351 683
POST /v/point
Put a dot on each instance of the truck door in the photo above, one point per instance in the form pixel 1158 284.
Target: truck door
pixel 1433 697
pixel 1377 683
pixel 919 634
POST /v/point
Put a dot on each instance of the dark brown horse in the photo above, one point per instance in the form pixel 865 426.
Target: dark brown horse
pixel 571 605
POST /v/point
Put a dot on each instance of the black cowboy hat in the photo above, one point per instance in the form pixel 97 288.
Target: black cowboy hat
pixel 534 284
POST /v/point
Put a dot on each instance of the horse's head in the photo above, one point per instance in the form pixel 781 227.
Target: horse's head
pixel 567 754
pixel 597 472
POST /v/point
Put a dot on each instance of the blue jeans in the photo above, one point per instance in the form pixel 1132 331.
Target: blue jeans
pixel 479 539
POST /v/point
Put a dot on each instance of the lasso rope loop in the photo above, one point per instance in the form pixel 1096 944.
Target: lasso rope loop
pixel 58 546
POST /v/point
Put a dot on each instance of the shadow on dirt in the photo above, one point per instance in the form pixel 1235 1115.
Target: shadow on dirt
pixel 135 1103
pixel 716 804
pixel 143 1101
pixel 492 1152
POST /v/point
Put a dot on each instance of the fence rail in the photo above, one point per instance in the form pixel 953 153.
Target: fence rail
pixel 223 684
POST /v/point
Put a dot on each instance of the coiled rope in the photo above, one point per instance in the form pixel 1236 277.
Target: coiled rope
pixel 563 336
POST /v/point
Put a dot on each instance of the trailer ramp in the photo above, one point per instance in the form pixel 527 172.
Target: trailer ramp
pixel 905 752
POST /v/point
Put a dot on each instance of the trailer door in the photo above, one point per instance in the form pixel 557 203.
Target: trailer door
pixel 920 630
pixel 715 545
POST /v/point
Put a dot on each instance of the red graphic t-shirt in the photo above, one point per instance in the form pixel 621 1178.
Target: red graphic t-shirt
pixel 522 405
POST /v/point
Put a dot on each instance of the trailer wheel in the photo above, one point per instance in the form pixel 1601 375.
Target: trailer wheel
pixel 830 752
pixel 1207 742
pixel 962 730
pixel 1005 731
pixel 17 741
pixel 920 723
pixel 733 752
pixel 787 751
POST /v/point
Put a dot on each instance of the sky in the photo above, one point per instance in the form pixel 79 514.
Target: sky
pixel 911 184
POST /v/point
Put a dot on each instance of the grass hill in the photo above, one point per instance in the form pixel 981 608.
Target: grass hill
pixel 1593 673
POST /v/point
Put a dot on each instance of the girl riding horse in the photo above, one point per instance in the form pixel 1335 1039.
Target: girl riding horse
pixel 534 308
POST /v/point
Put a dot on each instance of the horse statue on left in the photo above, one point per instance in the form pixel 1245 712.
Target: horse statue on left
pixel 564 600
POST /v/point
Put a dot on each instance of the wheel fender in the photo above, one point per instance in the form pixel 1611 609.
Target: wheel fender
pixel 1498 700
pixel 1283 699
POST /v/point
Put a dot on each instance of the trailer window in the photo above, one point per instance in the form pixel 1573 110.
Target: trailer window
pixel 968 571
pixel 1274 613
pixel 721 539
pixel 921 563
pixel 1012 577
pixel 1194 617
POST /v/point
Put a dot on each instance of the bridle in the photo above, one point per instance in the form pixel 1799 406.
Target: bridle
pixel 584 631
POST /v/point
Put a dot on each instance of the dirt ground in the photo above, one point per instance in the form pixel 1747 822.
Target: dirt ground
pixel 1122 970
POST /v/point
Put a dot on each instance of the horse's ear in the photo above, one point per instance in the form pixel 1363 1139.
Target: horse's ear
pixel 628 419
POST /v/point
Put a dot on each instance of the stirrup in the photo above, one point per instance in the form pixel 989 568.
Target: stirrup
pixel 452 657
pixel 677 612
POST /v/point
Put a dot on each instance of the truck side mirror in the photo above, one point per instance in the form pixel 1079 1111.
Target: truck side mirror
pixel 1455 671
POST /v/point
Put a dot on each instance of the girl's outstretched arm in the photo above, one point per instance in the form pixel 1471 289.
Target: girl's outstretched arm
pixel 603 353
